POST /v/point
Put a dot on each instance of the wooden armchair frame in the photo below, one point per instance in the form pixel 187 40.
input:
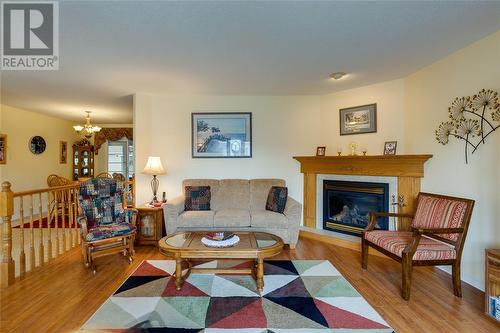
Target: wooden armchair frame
pixel 406 259
pixel 56 198
pixel 104 175
pixel 118 176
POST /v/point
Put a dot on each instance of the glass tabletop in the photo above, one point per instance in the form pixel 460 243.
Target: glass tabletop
pixel 177 240
pixel 262 239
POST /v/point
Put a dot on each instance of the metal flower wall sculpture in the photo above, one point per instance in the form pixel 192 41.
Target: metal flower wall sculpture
pixel 469 120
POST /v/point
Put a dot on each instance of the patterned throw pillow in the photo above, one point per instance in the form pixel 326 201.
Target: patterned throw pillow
pixel 197 198
pixel 276 200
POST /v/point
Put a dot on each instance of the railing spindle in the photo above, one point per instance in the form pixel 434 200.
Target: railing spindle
pixel 71 218
pixel 32 237
pixel 49 220
pixel 41 254
pixel 7 268
pixel 22 255
pixel 77 209
pixel 56 222
pixel 63 219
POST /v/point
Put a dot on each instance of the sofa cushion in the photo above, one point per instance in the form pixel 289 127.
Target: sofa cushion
pixel 276 200
pixel 233 194
pixel 197 198
pixel 232 218
pixel 196 218
pixel 395 242
pixel 268 219
pixel 259 190
pixel 214 189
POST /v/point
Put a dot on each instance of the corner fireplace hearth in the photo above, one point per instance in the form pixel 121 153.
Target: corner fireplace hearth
pixel 347 205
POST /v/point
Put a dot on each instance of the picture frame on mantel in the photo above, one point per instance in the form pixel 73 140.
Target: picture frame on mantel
pixel 320 151
pixel 221 135
pixel 358 119
pixel 390 147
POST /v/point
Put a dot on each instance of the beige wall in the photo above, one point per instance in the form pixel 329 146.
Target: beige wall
pixel 408 111
pixel 143 121
pixel 389 97
pixel 24 169
pixel 282 127
pixel 429 92
pixel 101 159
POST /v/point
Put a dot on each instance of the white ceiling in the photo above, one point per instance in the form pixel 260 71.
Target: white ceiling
pixel 111 50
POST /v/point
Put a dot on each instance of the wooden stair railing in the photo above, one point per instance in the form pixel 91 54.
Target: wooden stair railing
pixel 46 242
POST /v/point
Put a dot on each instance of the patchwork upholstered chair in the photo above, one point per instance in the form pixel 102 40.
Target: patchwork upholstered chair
pixel 107 226
pixel 437 237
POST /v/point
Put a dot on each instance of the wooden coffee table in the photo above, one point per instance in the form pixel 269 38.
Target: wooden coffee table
pixel 253 246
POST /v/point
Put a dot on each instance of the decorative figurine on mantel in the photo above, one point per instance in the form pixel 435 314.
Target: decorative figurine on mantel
pixel 339 151
pixel 353 146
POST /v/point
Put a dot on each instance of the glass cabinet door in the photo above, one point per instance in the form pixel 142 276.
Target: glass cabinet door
pixel 85 158
pixel 147 226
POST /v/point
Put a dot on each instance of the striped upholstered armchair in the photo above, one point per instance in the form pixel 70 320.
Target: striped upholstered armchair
pixel 437 237
pixel 106 225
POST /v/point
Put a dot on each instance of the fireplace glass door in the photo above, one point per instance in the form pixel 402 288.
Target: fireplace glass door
pixel 347 205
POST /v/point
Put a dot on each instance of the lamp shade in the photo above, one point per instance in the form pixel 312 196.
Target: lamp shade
pixel 154 166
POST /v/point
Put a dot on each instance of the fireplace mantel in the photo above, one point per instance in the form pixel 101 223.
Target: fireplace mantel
pixel 407 168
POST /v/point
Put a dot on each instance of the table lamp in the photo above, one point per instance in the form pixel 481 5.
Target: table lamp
pixel 154 167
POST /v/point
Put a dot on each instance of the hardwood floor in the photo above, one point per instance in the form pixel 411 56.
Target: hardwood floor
pixel 61 296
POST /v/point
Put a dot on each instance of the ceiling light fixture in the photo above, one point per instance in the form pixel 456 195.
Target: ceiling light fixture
pixel 88 129
pixel 337 75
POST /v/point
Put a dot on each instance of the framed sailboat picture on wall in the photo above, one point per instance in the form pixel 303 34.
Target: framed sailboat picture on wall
pixel 221 135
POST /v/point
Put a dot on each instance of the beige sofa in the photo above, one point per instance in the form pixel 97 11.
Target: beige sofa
pixel 236 204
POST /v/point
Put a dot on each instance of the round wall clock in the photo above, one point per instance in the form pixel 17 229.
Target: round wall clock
pixel 37 145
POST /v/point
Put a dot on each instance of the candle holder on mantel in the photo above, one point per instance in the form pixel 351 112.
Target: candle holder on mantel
pixel 364 150
pixel 339 151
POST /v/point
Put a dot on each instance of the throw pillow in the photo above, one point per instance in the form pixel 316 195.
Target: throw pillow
pixel 197 198
pixel 276 199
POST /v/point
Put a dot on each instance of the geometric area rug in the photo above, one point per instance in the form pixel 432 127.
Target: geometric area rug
pixel 299 296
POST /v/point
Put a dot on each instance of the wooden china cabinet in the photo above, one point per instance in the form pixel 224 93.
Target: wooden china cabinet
pixel 83 160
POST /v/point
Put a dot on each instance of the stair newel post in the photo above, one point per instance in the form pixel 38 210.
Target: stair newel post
pixel 6 211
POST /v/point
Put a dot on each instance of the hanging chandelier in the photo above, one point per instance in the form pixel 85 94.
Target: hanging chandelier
pixel 88 129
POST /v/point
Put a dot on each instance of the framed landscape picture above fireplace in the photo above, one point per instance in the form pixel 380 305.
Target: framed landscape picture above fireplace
pixel 219 134
pixel 358 119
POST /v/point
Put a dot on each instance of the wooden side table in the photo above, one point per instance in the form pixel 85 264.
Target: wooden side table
pixel 150 226
pixel 492 285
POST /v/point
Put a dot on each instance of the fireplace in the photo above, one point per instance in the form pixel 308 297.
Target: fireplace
pixel 347 205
